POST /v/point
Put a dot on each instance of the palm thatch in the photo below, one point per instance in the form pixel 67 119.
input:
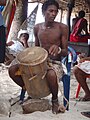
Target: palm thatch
pixel 79 4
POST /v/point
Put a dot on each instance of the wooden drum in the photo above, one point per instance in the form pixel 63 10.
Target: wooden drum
pixel 33 68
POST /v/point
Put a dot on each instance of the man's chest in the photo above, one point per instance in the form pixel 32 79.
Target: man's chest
pixel 49 35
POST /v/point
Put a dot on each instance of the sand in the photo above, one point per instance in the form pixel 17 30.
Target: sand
pixel 9 91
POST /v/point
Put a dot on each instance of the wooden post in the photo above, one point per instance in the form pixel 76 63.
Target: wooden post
pixel 70 7
pixel 61 15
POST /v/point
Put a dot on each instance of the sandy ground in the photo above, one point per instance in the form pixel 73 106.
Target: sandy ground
pixel 9 91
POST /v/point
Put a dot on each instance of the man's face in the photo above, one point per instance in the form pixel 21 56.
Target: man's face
pixel 24 37
pixel 51 13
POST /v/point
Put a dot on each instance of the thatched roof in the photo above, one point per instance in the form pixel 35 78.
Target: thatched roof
pixel 79 4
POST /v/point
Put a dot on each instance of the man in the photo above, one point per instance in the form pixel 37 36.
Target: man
pixel 17 47
pixel 2 35
pixel 52 36
pixel 81 72
pixel 79 29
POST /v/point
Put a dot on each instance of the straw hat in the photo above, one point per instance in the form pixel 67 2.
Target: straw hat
pixel 21 32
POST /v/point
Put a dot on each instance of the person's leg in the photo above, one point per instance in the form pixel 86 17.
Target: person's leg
pixel 53 85
pixel 16 78
pixel 81 78
pixel 2 44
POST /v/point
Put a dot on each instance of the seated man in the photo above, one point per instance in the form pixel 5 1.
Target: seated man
pixel 81 72
pixel 15 46
pixel 52 36
pixel 79 32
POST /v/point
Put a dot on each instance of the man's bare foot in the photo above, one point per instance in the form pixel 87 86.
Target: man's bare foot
pixel 85 98
pixel 56 108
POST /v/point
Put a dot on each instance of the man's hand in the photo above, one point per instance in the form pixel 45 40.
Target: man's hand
pixel 54 50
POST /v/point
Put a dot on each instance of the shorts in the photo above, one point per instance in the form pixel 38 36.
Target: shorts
pixel 57 67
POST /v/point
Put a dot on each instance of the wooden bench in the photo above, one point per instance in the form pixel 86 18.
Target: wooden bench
pixel 79 47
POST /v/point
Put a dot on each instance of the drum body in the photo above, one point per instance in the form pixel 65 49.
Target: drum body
pixel 33 68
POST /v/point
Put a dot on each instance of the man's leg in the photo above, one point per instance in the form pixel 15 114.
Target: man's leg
pixel 53 85
pixel 81 78
pixel 2 44
pixel 16 78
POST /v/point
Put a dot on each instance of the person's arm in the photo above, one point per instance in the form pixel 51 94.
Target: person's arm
pixel 64 40
pixel 36 35
pixel 9 43
pixel 3 2
pixel 85 27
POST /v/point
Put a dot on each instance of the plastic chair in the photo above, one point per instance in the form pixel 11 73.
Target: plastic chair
pixel 71 58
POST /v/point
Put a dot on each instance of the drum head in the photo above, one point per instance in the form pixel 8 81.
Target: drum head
pixel 32 56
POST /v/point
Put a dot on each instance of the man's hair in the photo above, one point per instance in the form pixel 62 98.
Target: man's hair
pixel 81 14
pixel 48 3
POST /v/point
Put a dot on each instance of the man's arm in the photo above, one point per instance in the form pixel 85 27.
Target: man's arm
pixel 85 26
pixel 3 2
pixel 64 39
pixel 36 35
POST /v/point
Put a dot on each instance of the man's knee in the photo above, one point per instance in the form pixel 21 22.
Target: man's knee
pixel 12 70
pixel 75 70
pixel 51 74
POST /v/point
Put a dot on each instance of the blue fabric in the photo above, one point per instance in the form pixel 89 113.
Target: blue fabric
pixel 22 95
pixel 1 8
pixel 66 84
pixel 66 77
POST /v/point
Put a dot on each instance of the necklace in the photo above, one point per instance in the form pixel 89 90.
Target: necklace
pixel 46 27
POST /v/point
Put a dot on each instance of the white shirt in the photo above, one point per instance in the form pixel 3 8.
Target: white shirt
pixel 84 66
pixel 16 48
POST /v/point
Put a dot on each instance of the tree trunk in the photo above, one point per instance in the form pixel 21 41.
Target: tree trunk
pixel 20 16
pixel 70 7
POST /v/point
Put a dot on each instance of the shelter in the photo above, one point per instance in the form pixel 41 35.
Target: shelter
pixel 68 7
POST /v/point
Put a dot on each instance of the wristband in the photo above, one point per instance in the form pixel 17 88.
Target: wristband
pixel 59 50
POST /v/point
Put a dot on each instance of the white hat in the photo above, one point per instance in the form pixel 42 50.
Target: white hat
pixel 21 32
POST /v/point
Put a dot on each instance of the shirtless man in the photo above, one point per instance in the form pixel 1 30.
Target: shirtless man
pixel 52 36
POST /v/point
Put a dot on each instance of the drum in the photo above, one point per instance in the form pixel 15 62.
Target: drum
pixel 33 68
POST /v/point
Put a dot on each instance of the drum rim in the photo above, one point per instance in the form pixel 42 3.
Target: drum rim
pixel 33 64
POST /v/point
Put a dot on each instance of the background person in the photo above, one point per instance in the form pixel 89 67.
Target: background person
pixel 2 35
pixel 16 46
pixel 80 31
pixel 82 72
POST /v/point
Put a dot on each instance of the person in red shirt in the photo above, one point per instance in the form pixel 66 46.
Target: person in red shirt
pixel 79 29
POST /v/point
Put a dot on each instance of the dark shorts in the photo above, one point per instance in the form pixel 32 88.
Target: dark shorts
pixel 2 44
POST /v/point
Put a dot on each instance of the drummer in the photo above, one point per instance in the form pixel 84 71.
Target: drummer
pixel 53 36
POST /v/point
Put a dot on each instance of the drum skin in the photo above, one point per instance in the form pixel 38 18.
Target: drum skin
pixel 33 68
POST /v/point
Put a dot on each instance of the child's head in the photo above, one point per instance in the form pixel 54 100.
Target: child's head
pixel 23 34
